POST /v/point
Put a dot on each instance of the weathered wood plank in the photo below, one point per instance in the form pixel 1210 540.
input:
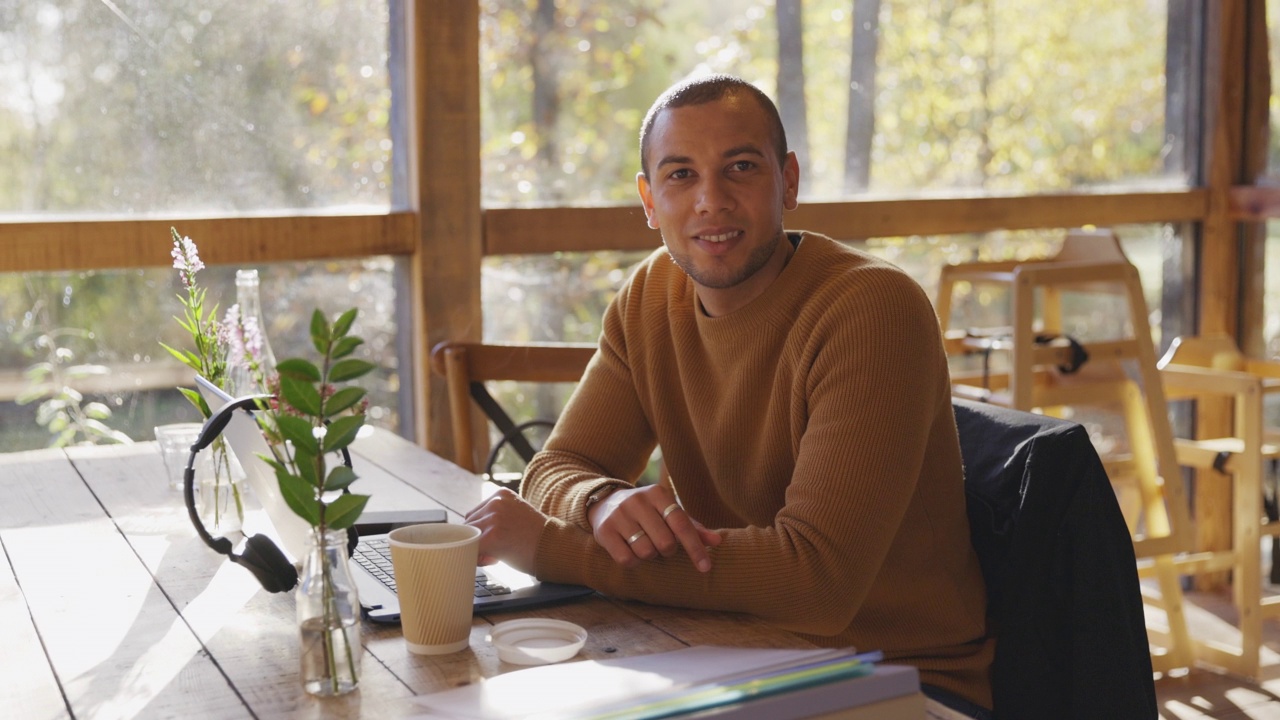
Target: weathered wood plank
pixel 123 650
pixel 709 627
pixel 611 632
pixel 97 244
pixel 111 636
pixel 29 688
pixel 249 633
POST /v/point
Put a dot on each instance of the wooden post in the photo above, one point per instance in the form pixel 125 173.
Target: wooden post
pixel 1257 130
pixel 446 263
pixel 1219 251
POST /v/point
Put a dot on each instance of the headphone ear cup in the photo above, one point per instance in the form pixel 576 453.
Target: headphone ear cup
pixel 267 563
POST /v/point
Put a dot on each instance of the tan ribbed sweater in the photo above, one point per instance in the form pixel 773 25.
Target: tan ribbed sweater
pixel 814 427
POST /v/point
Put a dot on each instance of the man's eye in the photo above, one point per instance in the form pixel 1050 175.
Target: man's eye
pixel 680 174
pixel 742 165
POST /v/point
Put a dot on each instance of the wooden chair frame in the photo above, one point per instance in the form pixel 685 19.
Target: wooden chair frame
pixel 464 363
pixel 1088 261
pixel 1205 368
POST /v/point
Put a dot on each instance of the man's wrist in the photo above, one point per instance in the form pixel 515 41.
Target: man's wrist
pixel 595 497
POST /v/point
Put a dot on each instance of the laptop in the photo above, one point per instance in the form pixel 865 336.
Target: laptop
pixel 497 587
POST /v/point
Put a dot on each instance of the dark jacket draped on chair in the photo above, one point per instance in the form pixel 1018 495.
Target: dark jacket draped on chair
pixel 1062 582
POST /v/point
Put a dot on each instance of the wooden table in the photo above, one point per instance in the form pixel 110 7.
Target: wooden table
pixel 112 607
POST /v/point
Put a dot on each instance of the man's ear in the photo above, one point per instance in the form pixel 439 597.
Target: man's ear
pixel 646 199
pixel 791 179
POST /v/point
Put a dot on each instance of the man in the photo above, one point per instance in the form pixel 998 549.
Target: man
pixel 800 395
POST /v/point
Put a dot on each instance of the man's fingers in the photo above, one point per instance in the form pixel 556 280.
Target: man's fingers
pixel 690 536
pixel 709 537
pixel 619 550
pixel 643 523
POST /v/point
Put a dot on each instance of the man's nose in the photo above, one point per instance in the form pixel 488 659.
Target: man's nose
pixel 714 195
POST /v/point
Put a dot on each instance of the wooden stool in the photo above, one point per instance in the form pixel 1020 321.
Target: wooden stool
pixel 1046 372
pixel 1204 369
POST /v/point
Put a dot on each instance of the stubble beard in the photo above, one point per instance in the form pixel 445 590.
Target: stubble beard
pixel 758 258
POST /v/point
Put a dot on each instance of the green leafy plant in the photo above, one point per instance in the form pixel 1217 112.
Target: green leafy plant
pixel 307 420
pixel 311 418
pixel 209 358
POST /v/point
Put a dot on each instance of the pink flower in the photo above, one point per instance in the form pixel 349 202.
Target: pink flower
pixel 253 341
pixel 233 332
pixel 186 260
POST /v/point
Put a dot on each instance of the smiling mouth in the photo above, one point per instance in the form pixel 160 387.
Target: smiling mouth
pixel 721 237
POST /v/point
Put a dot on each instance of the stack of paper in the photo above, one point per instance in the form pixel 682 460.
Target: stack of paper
pixel 725 682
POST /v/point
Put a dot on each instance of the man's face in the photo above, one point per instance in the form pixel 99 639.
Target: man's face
pixel 717 192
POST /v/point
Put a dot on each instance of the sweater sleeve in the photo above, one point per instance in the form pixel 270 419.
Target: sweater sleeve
pixel 875 381
pixel 602 438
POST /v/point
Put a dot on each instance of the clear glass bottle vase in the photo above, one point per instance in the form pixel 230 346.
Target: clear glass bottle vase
pixel 328 617
pixel 219 489
pixel 251 362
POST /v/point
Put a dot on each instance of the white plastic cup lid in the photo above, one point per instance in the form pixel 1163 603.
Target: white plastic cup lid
pixel 536 641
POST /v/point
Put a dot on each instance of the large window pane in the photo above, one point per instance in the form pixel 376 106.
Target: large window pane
pixel 943 96
pixel 140 106
pixel 54 322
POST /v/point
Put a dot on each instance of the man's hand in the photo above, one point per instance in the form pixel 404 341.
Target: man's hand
pixel 643 523
pixel 509 530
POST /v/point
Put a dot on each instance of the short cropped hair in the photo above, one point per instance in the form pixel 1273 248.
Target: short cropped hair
pixel 707 89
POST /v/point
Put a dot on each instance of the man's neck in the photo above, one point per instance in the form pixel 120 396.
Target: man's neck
pixel 718 302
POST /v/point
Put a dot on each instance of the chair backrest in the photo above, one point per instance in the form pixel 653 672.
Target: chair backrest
pixel 1062 585
pixel 467 366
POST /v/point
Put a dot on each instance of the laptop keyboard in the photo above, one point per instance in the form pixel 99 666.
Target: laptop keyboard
pixel 374 555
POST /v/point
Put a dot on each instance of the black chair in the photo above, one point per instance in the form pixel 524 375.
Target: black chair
pixel 1062 584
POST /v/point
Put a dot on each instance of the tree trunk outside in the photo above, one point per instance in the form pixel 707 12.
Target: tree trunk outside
pixel 861 126
pixel 546 95
pixel 791 102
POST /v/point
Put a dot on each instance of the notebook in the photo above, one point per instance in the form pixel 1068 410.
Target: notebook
pixel 498 587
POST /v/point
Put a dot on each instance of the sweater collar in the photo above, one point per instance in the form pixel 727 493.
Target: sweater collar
pixel 775 306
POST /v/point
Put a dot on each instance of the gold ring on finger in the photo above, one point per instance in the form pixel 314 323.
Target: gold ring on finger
pixel 636 536
pixel 669 509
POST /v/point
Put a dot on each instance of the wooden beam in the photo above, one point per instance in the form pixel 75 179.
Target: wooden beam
pixel 95 244
pixel 1256 129
pixel 891 218
pixel 516 231
pixel 446 264
pixel 98 244
pixel 1219 251
pixel 1254 203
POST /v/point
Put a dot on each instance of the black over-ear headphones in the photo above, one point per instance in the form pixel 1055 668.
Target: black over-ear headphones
pixel 260 556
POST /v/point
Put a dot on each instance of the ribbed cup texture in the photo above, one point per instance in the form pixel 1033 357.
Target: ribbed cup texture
pixel 435 569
